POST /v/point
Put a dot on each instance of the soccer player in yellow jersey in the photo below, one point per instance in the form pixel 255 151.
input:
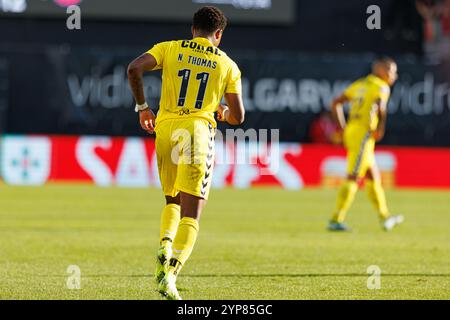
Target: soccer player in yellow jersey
pixel 196 74
pixel 368 99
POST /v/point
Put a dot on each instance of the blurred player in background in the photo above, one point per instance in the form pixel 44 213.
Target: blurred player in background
pixel 195 77
pixel 368 99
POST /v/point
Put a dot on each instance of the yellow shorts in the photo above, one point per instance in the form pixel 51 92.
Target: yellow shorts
pixel 185 155
pixel 360 146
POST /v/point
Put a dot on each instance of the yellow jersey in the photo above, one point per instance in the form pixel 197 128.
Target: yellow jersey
pixel 195 76
pixel 363 95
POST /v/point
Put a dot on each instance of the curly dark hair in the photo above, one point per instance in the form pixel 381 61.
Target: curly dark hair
pixel 208 19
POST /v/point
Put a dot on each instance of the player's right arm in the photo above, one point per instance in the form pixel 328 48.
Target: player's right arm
pixel 234 113
pixel 382 115
pixel 381 103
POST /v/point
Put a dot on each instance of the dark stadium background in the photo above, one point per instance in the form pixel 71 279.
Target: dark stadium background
pixel 57 81
pixel 328 40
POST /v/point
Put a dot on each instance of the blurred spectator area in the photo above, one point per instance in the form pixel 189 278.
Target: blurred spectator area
pixel 77 79
pixel 321 25
pixel 324 129
pixel 4 87
pixel 436 29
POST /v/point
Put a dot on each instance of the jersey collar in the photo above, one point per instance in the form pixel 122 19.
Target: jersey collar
pixel 203 41
pixel 375 78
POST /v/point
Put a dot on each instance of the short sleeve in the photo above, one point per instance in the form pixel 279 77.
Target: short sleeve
pixel 352 89
pixel 234 84
pixel 159 52
pixel 385 92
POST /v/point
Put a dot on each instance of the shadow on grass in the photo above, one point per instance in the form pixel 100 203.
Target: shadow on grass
pixel 271 275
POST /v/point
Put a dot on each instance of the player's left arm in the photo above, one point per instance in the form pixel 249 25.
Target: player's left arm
pixel 337 105
pixel 136 69
pixel 337 110
pixel 382 116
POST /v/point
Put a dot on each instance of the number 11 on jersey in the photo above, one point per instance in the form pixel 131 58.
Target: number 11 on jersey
pixel 203 77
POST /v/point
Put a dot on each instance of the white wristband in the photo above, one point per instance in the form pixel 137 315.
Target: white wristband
pixel 224 114
pixel 141 107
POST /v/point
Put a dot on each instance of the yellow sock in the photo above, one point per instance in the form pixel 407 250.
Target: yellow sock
pixel 345 198
pixel 183 244
pixel 376 195
pixel 170 219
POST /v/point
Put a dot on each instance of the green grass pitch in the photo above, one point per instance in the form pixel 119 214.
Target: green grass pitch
pixel 253 244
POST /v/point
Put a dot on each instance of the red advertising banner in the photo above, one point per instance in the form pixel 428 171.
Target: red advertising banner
pixel 131 162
